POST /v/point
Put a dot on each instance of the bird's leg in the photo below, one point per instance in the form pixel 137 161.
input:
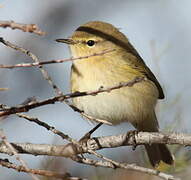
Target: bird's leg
pixel 88 134
pixel 132 134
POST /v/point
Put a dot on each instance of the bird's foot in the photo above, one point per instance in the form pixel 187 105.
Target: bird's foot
pixel 132 134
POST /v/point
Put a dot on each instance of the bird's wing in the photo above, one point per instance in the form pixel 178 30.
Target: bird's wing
pixel 146 70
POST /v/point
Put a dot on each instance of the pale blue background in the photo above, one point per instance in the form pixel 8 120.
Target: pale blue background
pixel 160 31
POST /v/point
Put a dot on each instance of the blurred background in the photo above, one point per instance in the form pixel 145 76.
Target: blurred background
pixel 159 30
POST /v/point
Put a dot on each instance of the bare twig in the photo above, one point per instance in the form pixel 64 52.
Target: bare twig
pixel 49 79
pixel 25 108
pixel 70 150
pixel 51 61
pixel 97 143
pixel 45 125
pixel 36 60
pixel 90 118
pixel 13 150
pixel 64 176
pixel 54 130
pixel 32 28
pixel 133 167
pixel 17 48
pixel 48 127
pixel 58 150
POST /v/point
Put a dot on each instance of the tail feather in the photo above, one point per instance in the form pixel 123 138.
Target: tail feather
pixel 167 157
pixel 157 153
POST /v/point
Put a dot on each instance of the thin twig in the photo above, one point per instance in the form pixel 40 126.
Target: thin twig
pixel 134 167
pixel 67 148
pixel 45 125
pixel 57 150
pixel 48 127
pixel 90 118
pixel 113 164
pixel 27 107
pixel 37 61
pixel 14 151
pixel 83 148
pixel 32 28
pixel 64 176
pixel 52 61
pixel 49 79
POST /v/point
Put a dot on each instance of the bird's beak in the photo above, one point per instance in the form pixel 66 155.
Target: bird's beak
pixel 67 41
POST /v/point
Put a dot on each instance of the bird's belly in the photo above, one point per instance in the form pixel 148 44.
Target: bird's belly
pixel 131 104
pixel 125 104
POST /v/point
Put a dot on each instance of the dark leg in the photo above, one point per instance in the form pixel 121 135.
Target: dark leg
pixel 88 134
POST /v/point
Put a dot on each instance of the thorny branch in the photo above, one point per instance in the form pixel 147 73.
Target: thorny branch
pixel 32 28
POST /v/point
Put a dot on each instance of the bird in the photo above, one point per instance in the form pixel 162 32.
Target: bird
pixel 135 104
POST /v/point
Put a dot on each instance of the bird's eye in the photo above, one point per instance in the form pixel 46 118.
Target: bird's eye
pixel 90 43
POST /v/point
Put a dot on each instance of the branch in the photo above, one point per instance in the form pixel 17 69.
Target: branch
pixel 48 78
pixel 37 63
pixel 46 75
pixel 32 28
pixel 27 107
pixel 139 138
pixel 71 150
pixel 48 127
pixel 13 150
pixel 98 143
pixel 35 59
pixel 65 176
pixel 132 167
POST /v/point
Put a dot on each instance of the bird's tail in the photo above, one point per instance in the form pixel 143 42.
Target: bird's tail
pixel 157 153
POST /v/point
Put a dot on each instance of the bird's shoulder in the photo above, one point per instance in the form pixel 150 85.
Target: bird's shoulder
pixel 136 62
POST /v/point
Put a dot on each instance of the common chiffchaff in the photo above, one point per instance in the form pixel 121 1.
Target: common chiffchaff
pixel 134 104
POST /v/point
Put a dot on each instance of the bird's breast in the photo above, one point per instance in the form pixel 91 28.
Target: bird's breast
pixel 124 104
